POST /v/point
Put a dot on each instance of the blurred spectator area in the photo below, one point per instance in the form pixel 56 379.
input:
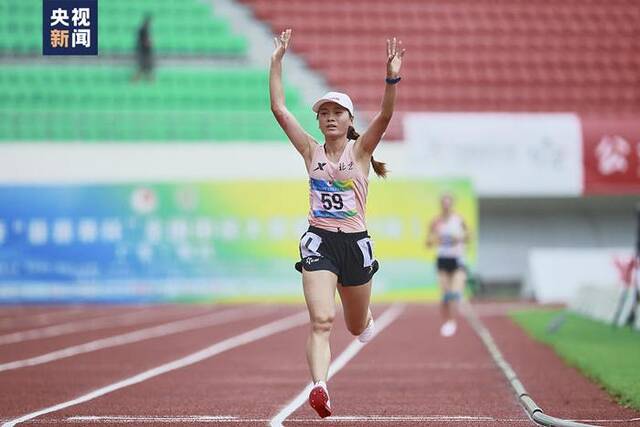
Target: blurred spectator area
pixel 98 103
pixel 215 96
pixel 473 55
pixel 463 55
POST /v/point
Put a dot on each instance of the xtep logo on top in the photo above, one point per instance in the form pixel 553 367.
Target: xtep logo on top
pixel 69 27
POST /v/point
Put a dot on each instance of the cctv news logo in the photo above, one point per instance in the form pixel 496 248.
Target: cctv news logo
pixel 69 27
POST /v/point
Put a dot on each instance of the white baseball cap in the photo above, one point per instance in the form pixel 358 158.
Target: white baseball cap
pixel 339 98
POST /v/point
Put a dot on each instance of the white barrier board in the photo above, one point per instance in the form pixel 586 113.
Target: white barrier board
pixel 555 275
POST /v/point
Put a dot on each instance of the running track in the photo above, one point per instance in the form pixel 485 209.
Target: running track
pixel 245 365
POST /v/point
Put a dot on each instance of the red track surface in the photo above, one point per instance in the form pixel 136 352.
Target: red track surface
pixel 407 376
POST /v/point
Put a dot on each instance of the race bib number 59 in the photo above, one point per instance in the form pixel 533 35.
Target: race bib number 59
pixel 332 200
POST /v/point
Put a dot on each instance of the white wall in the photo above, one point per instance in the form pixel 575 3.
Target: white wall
pixel 505 154
pixel 509 229
pixel 22 163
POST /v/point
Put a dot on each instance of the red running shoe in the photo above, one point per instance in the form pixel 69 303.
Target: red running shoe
pixel 319 401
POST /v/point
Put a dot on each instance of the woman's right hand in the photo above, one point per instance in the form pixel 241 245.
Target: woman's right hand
pixel 282 43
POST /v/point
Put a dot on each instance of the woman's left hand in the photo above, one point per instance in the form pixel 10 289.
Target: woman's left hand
pixel 395 52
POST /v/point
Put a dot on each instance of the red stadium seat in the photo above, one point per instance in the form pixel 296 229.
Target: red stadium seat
pixel 480 55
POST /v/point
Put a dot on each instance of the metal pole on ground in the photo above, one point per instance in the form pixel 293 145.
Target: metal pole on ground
pixel 530 406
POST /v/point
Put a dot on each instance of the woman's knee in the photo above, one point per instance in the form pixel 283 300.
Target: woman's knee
pixel 322 322
pixel 357 327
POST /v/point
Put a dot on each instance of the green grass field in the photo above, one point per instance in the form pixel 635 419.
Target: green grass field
pixel 610 356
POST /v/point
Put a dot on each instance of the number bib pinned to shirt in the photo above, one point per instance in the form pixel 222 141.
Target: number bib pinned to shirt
pixel 335 199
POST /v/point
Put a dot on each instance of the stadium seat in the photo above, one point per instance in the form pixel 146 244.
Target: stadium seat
pixel 56 103
pixel 477 55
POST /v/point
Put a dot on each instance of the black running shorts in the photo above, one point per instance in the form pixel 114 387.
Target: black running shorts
pixel 348 255
pixel 447 264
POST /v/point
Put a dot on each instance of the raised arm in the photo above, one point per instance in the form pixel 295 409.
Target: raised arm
pixel 371 137
pixel 300 139
pixel 432 235
pixel 466 233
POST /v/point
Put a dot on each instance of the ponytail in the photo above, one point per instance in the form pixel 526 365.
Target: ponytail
pixel 352 134
pixel 379 168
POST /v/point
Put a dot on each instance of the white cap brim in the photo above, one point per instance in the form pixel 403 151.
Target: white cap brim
pixel 341 99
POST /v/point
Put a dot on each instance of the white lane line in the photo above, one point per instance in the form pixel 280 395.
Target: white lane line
pixel 128 419
pixel 440 366
pixel 41 318
pixel 264 331
pixel 197 322
pixel 92 324
pixel 410 418
pixel 352 349
pixel 224 419
pixel 27 313
pixel 343 419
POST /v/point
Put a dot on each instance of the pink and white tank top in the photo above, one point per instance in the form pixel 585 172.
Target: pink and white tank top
pixel 337 192
pixel 450 232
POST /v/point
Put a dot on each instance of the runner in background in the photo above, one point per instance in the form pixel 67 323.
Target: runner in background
pixel 450 234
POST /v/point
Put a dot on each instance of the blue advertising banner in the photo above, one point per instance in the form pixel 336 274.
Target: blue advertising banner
pixel 201 240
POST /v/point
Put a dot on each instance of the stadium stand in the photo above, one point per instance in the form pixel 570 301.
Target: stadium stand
pixel 61 103
pixel 480 55
pixel 89 102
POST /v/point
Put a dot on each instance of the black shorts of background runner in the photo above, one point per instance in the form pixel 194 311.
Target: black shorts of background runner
pixel 448 264
pixel 348 255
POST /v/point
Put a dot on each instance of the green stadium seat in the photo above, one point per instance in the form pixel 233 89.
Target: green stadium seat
pixel 97 103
